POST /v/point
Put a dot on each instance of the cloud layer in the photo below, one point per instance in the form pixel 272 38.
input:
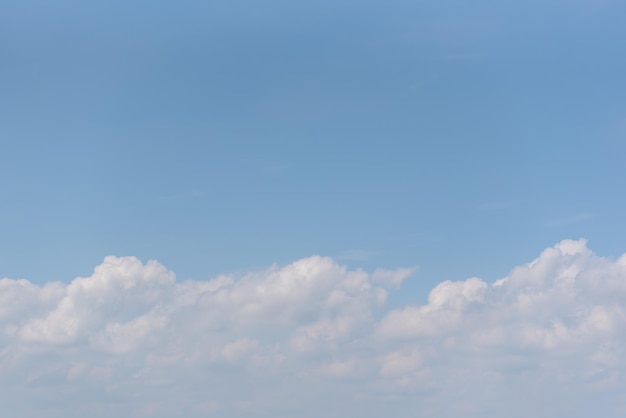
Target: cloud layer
pixel 315 339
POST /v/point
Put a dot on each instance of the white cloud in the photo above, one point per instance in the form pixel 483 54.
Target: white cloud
pixel 315 338
pixel 392 278
pixel 400 363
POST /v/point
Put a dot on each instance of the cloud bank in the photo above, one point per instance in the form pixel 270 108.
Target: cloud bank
pixel 314 338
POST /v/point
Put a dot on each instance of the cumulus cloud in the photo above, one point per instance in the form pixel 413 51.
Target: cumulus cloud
pixel 315 338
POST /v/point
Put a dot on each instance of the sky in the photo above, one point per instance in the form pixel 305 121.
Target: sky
pixel 312 208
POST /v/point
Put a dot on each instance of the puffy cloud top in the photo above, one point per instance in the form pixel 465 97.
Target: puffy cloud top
pixel 316 338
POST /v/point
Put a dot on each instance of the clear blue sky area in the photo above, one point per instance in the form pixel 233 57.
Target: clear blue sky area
pixel 460 137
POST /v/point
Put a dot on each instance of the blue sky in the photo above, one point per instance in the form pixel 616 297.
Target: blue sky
pixel 221 136
pixel 459 138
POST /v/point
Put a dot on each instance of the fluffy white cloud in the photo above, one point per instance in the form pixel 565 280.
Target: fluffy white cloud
pixel 315 339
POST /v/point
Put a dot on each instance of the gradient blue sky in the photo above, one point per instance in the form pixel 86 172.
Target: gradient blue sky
pixel 214 136
pixel 460 138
